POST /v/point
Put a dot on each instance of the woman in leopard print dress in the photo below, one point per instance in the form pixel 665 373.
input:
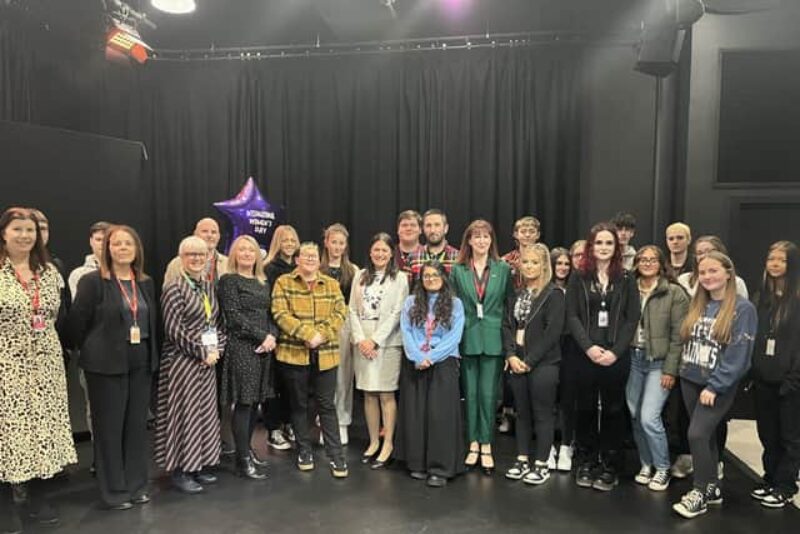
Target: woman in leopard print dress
pixel 35 434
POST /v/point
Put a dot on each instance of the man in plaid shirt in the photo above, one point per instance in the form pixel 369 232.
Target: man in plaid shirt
pixel 309 309
pixel 434 225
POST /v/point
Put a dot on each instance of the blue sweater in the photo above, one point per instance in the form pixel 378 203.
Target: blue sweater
pixel 720 367
pixel 443 343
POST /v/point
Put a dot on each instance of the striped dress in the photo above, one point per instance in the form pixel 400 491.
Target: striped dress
pixel 187 434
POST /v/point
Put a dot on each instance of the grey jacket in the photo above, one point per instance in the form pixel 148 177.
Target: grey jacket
pixel 661 319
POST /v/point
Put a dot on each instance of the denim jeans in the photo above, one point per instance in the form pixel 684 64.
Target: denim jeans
pixel 646 399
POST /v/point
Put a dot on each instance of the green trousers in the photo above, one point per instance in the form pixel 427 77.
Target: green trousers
pixel 480 376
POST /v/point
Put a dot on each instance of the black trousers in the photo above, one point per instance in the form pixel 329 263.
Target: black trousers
pixel 301 381
pixel 430 429
pixel 607 383
pixel 778 422
pixel 535 398
pixel 119 428
pixel 703 424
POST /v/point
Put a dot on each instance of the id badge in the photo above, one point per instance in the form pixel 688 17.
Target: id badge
pixel 480 310
pixel 602 319
pixel 136 335
pixel 770 347
pixel 210 339
pixel 38 324
pixel 521 337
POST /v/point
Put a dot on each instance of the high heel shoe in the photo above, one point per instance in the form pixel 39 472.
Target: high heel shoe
pixel 472 465
pixel 487 470
pixel 366 456
pixel 382 464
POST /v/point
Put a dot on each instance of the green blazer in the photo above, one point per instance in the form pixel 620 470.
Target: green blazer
pixel 483 336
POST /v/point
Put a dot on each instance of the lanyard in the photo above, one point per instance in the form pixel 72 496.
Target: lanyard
pixel 480 283
pixel 206 300
pixel 430 326
pixel 33 293
pixel 133 303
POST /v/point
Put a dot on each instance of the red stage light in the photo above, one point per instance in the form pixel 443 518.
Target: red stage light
pixel 123 42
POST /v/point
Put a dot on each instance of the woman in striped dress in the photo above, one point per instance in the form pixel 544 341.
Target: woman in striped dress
pixel 187 438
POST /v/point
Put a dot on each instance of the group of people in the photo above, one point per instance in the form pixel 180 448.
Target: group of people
pixel 580 341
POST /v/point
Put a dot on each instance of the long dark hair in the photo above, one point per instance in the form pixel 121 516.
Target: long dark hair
pixel 787 304
pixel 107 265
pixel 391 268
pixel 38 258
pixel 443 309
pixel 588 266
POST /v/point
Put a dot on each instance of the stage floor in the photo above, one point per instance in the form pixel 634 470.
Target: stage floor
pixel 390 501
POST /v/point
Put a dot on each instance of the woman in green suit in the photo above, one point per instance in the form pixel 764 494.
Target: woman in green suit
pixel 482 282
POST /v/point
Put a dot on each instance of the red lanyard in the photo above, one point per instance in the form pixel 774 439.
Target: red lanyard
pixel 212 271
pixel 480 283
pixel 133 304
pixel 33 295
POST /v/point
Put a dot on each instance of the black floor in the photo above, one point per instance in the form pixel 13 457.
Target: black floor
pixel 390 501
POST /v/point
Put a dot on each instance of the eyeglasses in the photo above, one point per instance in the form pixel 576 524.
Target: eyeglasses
pixel 195 254
pixel 648 261
pixel 431 277
pixel 309 257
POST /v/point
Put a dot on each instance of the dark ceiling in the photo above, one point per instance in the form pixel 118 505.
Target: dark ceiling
pixel 235 23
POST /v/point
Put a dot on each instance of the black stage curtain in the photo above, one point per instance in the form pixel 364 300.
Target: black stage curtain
pixel 492 133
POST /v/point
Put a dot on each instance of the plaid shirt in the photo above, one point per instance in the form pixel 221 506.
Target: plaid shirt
pixel 300 312
pixel 420 256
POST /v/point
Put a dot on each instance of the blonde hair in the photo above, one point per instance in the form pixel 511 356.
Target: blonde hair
pixel 723 324
pixel 233 261
pixel 277 237
pixel 192 242
pixel 544 258
pixel 682 227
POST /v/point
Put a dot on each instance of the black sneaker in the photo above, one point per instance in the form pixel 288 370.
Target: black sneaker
pixel 713 494
pixel 584 477
pixel 339 468
pixel 761 491
pixel 305 461
pixel 518 470
pixel 606 480
pixel 692 504
pixel 775 499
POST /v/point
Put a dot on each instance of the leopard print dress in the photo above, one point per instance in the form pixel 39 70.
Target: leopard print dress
pixel 35 434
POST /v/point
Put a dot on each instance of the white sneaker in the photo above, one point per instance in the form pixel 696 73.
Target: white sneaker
pixel 277 441
pixel 505 424
pixel 564 458
pixel 644 475
pixel 551 461
pixel 683 466
pixel 344 438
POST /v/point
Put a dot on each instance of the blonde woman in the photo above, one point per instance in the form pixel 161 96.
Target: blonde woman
pixel 719 333
pixel 245 299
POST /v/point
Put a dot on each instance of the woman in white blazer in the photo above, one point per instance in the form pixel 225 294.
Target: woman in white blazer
pixel 376 301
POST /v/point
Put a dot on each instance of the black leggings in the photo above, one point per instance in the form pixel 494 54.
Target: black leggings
pixel 244 421
pixel 534 399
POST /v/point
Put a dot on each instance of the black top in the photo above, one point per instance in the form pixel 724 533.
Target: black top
pixel 98 327
pixel 624 312
pixel 783 367
pixel 543 325
pixel 599 301
pixel 246 304
pixel 336 274
pixel 277 268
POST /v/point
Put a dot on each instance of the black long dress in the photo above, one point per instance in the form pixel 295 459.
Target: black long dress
pixel 246 306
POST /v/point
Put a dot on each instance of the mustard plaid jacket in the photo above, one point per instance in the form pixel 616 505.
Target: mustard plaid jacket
pixel 300 312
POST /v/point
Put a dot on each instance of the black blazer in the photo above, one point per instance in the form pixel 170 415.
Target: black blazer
pixel 543 328
pixel 96 325
pixel 623 319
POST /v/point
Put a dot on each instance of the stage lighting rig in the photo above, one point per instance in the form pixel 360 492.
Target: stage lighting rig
pixel 123 40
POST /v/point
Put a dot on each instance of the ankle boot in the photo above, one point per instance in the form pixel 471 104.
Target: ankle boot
pixel 38 506
pixel 246 468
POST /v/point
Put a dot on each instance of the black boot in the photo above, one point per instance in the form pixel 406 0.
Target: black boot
pixel 247 469
pixel 10 522
pixel 38 507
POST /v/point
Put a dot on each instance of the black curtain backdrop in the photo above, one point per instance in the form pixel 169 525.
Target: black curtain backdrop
pixel 492 133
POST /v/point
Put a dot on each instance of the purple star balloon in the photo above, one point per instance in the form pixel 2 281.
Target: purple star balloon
pixel 250 214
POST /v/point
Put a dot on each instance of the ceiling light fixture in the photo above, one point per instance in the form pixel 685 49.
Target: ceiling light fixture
pixel 176 7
